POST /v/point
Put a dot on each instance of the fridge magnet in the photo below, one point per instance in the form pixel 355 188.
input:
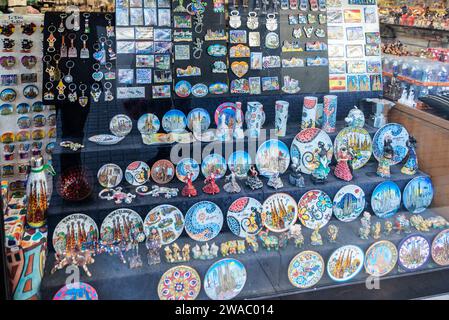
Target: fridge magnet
pixel 159 48
pixel 237 36
pixel 240 86
pixel 336 51
pixel 162 35
pixel 189 71
pixel 200 90
pixel 376 82
pixel 356 66
pixel 337 83
pixel 239 51
pixel 126 76
pixel 353 83
pixel 373 38
pixel 334 16
pixel 239 68
pixel 317 62
pixel 218 88
pixel 272 40
pixel 302 18
pixel 290 85
pixel 354 51
pixel 337 67
pixel 125 33
pixel 217 50
pixel 294 46
pixel 372 50
pixel 142 47
pixel 254 39
pixel 271 62
pixel 364 84
pixel 162 62
pixel 270 83
pixel 373 66
pixel 182 21
pixel 162 76
pixel 335 32
pixel 292 63
pixel 353 15
pixel 219 67
pixel 164 17
pixel 182 35
pixel 354 34
pixel 122 16
pixel 144 33
pixel 316 46
pixel 217 35
pixel 143 76
pixel 254 85
pixel 370 14
pixel 144 61
pixel 162 91
pixel 150 17
pixel 136 16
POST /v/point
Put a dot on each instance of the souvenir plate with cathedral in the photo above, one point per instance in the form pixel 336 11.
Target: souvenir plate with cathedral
pixel 306 269
pixel 124 225
pixel 386 199
pixel 225 279
pixel 203 221
pixel 76 291
pixel 349 203
pixel 110 175
pixel 198 118
pixel 240 161
pixel 214 163
pixel 358 142
pixel 345 263
pixel 167 220
pixel 174 121
pixel 245 217
pixel 381 258
pixel 162 171
pixel 74 231
pixel 272 158
pixel 315 209
pixel 179 283
pixel 440 248
pixel 414 252
pixel 279 212
pixel 418 194
pixel 148 124
pixel 397 135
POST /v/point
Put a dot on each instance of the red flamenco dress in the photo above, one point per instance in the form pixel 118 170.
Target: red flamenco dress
pixel 211 187
pixel 189 190
pixel 342 170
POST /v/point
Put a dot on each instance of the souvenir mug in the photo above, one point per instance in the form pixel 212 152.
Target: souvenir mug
pixel 329 113
pixel 255 118
pixel 281 117
pixel 309 112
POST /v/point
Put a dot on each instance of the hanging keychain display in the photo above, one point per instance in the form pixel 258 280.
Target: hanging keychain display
pixel 86 16
pixel 49 95
pixel 108 95
pixel 49 69
pixel 111 53
pixel 110 30
pixel 252 22
pixel 83 100
pixel 102 50
pixel 63 47
pixel 73 53
pixel 72 95
pixel 234 20
pixel 68 78
pixel 272 23
pixel 61 28
pixel 61 88
pixel 97 75
pixel 84 52
pixel 95 92
pixel 57 71
pixel 51 39
pixel 109 75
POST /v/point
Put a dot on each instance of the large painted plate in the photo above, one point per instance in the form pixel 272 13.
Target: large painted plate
pixel 349 203
pixel 225 279
pixel 414 252
pixel 121 125
pixel 119 220
pixel 241 162
pixel 179 283
pixel 76 291
pixel 203 221
pixel 198 117
pixel 148 123
pixel 358 140
pixel 227 110
pixel 162 171
pixel 314 209
pixel 110 175
pixel 306 269
pixel 279 212
pixel 381 258
pixel 245 217
pixel 306 143
pixel 76 224
pixel 272 157
pixel 399 137
pixel 214 163
pixel 167 220
pixel 386 199
pixel 174 121
pixel 137 173
pixel 440 248
pixel 185 166
pixel 418 194
pixel 345 263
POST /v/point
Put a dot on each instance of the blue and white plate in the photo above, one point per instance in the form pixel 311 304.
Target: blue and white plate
pixel 241 162
pixel 349 203
pixel 386 199
pixel 272 157
pixel 200 118
pixel 225 279
pixel 185 166
pixel 214 163
pixel 345 263
pixel 418 194
pixel 414 252
pixel 174 121
pixel 183 89
pixel 105 139
pixel 200 90
pixel 203 221
pixel 399 137
pixel 244 217
pixel 148 123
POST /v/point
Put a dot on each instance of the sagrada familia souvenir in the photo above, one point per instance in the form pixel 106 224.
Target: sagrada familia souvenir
pixel 275 181
pixel 296 177
pixel 438 222
pixel 232 185
pixel 332 233
pixel 343 170
pixel 383 169
pixel 154 246
pixel 321 162
pixel 315 238
pixel 365 229
pixel 189 189
pixel 411 166
pixel 253 180
pixel 210 186
pixel 175 254
pixel 376 230
pixel 206 252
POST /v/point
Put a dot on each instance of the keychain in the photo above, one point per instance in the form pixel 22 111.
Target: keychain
pixel 63 47
pixel 108 95
pixel 49 68
pixel 252 22
pixel 61 28
pixel 110 32
pixel 57 71
pixel 272 23
pixel 61 87
pixel 73 53
pixel 72 95
pixel 95 92
pixel 234 20
pixel 109 75
pixel 111 53
pixel 68 78
pixel 83 100
pixel 49 95
pixel 51 39
pixel 84 52
pixel 103 50
pixel 97 75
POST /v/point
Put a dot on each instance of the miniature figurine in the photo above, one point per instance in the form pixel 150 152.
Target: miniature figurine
pixel 253 180
pixel 77 257
pixel 438 222
pixel 365 229
pixel 153 244
pixel 376 230
pixel 196 251
pixel 420 224
pixel 401 223
pixel 332 233
pixel 321 161
pixel 169 254
pixel 315 238
pixel 189 190
pixel 232 185
pixel 238 130
pixel 283 240
pixel 241 248
pixel 135 261
pixel 252 243
pixel 232 245
pixel 175 254
pixel 213 250
pixel 296 177
pixel 411 166
pixel 211 187
pixel 186 252
pixel 383 169
pixel 295 233
pixel 275 181
pixel 269 241
pixel 224 249
pixel 343 169
pixel 388 226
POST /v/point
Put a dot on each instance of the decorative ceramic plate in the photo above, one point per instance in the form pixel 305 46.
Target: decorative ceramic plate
pixel 228 112
pixel 214 163
pixel 198 117
pixel 174 121
pixel 148 123
pixel 183 89
pixel 349 203
pixel 124 219
pixel 179 283
pixel 414 251
pixel 137 173
pixel 76 291
pixel 386 199
pixel 185 166
pixel 315 209
pixel 440 248
pixel 203 221
pixel 73 224
pixel 306 143
pixel 241 162
pixel 279 212
pixel 399 137
pixel 121 125
pixel 110 175
pixel 381 258
pixel 418 194
pixel 306 269
pixel 105 139
pixel 345 263
pixel 358 140
pixel 272 157
pixel 225 279
pixel 167 220
pixel 162 171
pixel 245 217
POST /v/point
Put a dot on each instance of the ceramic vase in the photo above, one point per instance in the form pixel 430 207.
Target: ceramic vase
pixel 319 115
pixel 309 112
pixel 281 118
pixel 255 118
pixel 330 113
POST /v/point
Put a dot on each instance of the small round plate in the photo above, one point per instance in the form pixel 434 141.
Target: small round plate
pixel 414 252
pixel 381 258
pixel 349 203
pixel 225 279
pixel 306 269
pixel 345 263
pixel 110 175
pixel 162 171
pixel 245 217
pixel 306 143
pixel 179 283
pixel 399 137
pixel 241 162
pixel 121 125
pixel 228 112
pixel 167 220
pixel 200 90
pixel 203 221
pixel 314 209
pixel 8 95
pixel 71 225
pixel 386 199
pixel 174 121
pixel 440 248
pixel 199 118
pixel 279 212
pixel 418 194
pixel 148 123
pixel 185 166
pixel 23 108
pixel 358 140
pixel 214 163
pixel 122 218
pixel 183 89
pixel 137 173
pixel 76 291
pixel 272 157
pixel 31 91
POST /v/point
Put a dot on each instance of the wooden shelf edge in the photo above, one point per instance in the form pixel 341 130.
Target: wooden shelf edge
pixel 437 121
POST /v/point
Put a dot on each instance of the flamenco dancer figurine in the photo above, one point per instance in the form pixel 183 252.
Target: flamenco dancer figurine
pixel 253 180
pixel 275 181
pixel 232 185
pixel 343 169
pixel 211 187
pixel 321 171
pixel 189 190
pixel 296 177
pixel 383 169
pixel 411 166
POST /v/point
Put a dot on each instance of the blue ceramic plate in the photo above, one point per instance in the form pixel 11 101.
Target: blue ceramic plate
pixel 345 263
pixel 199 117
pixel 183 89
pixel 386 199
pixel 148 123
pixel 241 162
pixel 349 203
pixel 244 217
pixel 225 279
pixel 174 121
pixel 272 157
pixel 399 136
pixel 414 252
pixel 418 194
pixel 214 163
pixel 203 221
pixel 185 166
